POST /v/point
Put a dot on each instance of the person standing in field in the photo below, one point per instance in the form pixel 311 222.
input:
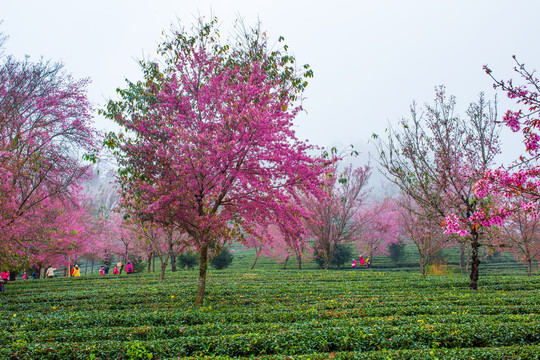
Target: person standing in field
pixel 5 276
pixel 353 264
pixel 116 271
pixel 120 266
pixel 129 268
pixel 50 272
pixel 362 261
pixel 76 271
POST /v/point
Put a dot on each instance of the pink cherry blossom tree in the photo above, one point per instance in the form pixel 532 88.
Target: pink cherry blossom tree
pixel 520 235
pixel 436 157
pixel 380 227
pixel 512 194
pixel 210 146
pixel 280 241
pixel 524 176
pixel 332 220
pixel 45 125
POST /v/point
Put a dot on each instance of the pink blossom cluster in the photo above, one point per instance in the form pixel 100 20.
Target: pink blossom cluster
pixel 517 92
pixel 454 226
pixel 532 143
pixel 511 119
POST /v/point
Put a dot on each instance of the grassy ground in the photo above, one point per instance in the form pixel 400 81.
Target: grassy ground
pixel 270 313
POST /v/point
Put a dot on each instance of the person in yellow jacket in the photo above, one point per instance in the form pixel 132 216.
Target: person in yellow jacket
pixel 76 271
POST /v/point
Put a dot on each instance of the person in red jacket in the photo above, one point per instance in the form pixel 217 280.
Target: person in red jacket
pixel 129 268
pixel 115 271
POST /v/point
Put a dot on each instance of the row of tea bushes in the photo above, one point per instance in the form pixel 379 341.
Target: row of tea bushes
pixel 271 314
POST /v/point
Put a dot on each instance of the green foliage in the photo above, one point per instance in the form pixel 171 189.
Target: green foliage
pixel 187 260
pixel 343 254
pixel 136 350
pixel 222 260
pixel 397 251
pixel 138 264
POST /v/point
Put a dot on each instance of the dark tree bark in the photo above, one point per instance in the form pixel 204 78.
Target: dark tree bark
pixel 475 263
pixel 203 266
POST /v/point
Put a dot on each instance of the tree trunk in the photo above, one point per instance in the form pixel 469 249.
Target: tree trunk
pixel 173 263
pixel 255 262
pixel 150 262
pixel 475 263
pixel 163 268
pixel 85 266
pixel 422 261
pixel 172 256
pixel 299 261
pixel 529 266
pixel 154 263
pixel 462 258
pixel 329 255
pixel 203 266
pixel 92 271
pixel 468 259
pixel 286 261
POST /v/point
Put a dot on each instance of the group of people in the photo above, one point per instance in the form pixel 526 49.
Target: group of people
pixel 75 272
pixel 361 261
pixel 104 270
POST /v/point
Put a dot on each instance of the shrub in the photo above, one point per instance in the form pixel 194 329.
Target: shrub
pixel 396 250
pixel 342 254
pixel 188 260
pixel 138 264
pixel 222 260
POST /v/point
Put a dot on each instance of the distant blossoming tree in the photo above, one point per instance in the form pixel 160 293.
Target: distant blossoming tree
pixel 45 127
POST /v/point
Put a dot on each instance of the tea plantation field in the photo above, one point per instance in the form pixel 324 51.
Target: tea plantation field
pixel 272 314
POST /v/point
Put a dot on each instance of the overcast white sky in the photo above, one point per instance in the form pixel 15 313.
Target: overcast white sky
pixel 370 58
